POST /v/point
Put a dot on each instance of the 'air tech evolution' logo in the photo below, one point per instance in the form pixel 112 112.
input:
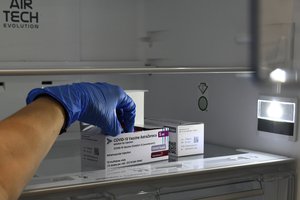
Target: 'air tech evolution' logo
pixel 20 14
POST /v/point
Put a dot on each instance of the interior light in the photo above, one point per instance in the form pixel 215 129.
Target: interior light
pixel 278 75
pixel 274 110
pixel 277 115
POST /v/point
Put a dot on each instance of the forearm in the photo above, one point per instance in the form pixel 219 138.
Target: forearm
pixel 26 137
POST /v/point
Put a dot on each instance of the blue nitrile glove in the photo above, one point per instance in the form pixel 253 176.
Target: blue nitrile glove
pixel 100 104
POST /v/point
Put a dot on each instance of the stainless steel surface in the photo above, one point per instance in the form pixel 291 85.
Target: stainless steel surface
pixel 121 70
pixel 237 195
pixel 187 167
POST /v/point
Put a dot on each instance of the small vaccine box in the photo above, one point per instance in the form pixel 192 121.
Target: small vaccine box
pixel 186 138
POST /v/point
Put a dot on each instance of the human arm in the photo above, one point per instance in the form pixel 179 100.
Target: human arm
pixel 27 136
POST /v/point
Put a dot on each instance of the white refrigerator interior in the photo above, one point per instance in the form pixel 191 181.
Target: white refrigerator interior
pixel 107 34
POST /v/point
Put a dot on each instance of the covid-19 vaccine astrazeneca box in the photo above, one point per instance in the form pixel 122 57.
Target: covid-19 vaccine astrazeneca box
pixel 99 151
pixel 186 138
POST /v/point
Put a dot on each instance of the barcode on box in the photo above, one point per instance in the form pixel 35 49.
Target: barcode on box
pixel 196 139
pixel 172 147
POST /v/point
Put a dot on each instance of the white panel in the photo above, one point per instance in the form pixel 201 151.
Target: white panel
pixel 55 39
pixel 109 30
pixel 297 36
pixel 201 33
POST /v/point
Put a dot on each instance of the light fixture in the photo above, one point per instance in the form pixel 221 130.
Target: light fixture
pixel 278 75
pixel 274 110
pixel 277 115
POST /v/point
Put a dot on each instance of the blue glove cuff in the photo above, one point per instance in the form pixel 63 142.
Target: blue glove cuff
pixel 35 93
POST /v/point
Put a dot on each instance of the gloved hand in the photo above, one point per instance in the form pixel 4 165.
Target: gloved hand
pixel 100 104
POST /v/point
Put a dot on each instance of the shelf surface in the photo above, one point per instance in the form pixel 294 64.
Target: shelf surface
pixel 215 159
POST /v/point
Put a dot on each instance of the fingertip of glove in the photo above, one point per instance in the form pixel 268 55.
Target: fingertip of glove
pixel 113 134
pixel 130 130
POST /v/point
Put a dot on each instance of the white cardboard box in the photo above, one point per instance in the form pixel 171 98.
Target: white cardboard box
pixel 186 138
pixel 99 151
pixel 138 98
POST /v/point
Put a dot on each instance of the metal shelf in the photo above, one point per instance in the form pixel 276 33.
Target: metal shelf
pixel 123 70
